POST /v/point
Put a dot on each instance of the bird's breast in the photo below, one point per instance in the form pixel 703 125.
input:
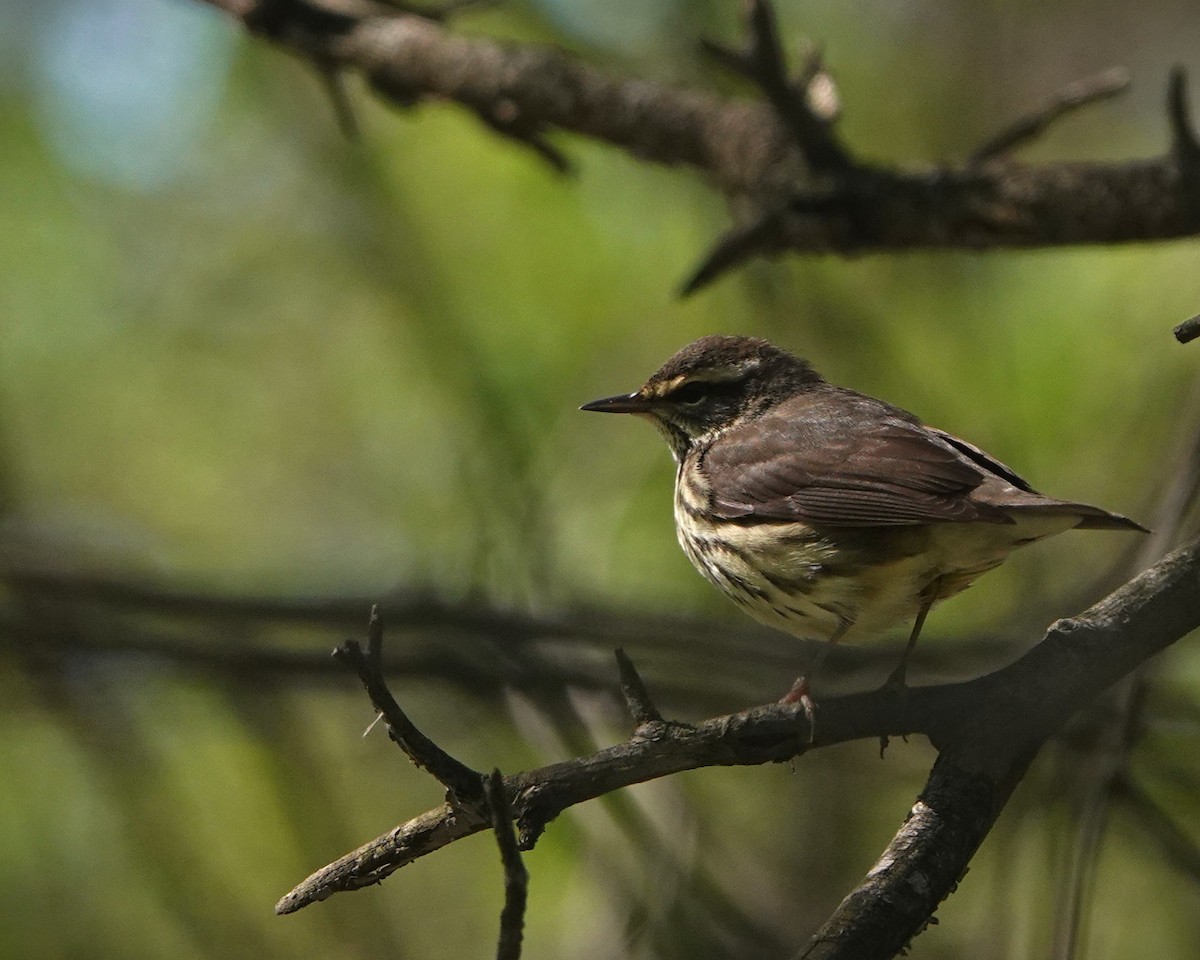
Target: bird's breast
pixel 777 572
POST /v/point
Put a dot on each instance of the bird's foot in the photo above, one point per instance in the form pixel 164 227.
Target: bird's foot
pixel 896 685
pixel 799 693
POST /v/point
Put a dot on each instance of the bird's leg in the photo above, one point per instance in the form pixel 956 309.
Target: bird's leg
pixel 897 681
pixel 929 596
pixel 800 690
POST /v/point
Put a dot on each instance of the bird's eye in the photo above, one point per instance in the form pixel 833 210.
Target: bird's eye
pixel 690 393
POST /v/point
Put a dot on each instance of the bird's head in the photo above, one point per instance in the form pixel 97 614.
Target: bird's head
pixel 711 384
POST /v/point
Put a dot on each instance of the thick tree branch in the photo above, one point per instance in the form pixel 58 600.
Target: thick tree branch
pixel 759 154
pixel 919 868
pixel 987 730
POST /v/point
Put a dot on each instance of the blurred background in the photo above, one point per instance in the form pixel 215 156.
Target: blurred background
pixel 254 377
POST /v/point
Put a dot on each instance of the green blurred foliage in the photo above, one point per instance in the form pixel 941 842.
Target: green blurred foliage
pixel 240 353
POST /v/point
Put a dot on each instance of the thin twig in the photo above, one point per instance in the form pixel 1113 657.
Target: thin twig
pixel 764 63
pixel 736 246
pixel 637 698
pixel 506 119
pixel 516 877
pixel 375 639
pixel 1102 86
pixel 464 784
pixel 762 233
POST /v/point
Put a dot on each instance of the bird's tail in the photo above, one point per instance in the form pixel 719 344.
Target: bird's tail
pixel 1096 519
pixel 1090 518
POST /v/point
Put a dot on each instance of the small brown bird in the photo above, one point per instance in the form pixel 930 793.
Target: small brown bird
pixel 824 512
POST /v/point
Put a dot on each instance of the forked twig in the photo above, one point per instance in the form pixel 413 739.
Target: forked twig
pixel 1102 86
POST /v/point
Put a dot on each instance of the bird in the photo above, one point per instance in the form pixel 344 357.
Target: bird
pixel 824 512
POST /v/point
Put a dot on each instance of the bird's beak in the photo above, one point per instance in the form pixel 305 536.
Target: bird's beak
pixel 622 403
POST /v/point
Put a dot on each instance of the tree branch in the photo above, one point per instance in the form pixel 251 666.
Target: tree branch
pixel 778 159
pixel 920 867
pixel 987 731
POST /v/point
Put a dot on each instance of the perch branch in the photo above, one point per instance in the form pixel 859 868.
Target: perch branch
pixel 986 730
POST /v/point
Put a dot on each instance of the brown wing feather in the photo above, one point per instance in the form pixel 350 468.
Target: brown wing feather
pixel 839 458
pixel 984 459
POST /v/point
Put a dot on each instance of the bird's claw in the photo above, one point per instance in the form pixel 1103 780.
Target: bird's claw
pixel 799 693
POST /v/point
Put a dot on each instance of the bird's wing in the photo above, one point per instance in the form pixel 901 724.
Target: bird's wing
pixel 985 460
pixel 843 459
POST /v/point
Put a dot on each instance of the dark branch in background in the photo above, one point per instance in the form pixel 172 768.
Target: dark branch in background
pixel 1179 848
pixel 795 186
pixel 986 731
pixel 1105 763
pixel 484 650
